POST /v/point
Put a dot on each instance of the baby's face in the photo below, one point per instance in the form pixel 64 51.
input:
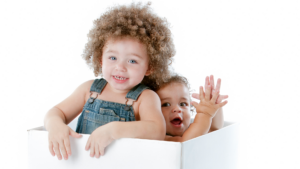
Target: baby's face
pixel 175 106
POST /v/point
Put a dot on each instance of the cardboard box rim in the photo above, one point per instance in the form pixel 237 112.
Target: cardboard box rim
pixel 219 145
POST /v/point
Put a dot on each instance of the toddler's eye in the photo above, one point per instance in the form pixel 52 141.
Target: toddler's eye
pixel 183 104
pixel 132 61
pixel 112 58
pixel 166 105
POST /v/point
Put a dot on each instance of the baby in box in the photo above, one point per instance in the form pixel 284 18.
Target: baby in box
pixel 176 107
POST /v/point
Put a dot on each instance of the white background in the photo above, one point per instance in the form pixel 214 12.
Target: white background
pixel 252 46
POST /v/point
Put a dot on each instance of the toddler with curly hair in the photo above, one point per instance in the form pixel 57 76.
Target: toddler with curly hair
pixel 176 104
pixel 131 48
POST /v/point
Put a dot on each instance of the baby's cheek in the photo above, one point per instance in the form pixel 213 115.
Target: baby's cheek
pixel 165 114
pixel 186 123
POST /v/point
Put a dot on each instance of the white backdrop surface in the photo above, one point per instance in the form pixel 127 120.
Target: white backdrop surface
pixel 252 46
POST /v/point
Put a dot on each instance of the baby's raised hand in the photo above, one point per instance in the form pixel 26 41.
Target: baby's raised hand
pixel 208 103
pixel 99 139
pixel 209 81
pixel 59 140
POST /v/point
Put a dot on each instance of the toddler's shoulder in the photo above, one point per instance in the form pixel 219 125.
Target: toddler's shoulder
pixel 85 86
pixel 148 94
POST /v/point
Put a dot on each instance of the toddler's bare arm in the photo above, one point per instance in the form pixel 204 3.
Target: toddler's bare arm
pixel 59 116
pixel 150 126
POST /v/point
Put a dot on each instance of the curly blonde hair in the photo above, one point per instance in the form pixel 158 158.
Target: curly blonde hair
pixel 136 21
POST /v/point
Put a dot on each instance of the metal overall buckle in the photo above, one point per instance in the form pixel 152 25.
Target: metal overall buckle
pixel 92 99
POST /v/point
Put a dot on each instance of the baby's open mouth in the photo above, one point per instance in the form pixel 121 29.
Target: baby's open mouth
pixel 176 121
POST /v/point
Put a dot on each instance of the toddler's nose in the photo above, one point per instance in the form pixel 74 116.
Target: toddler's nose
pixel 121 67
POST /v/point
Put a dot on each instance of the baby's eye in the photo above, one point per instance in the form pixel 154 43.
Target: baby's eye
pixel 183 104
pixel 112 58
pixel 132 61
pixel 166 105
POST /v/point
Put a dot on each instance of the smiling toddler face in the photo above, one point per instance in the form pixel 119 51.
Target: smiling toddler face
pixel 124 63
pixel 175 105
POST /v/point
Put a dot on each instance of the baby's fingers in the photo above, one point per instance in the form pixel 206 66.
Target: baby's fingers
pixel 194 103
pixel 202 95
pixel 220 98
pixel 222 104
pixel 196 96
pixel 212 83
pixel 215 96
pixel 207 92
pixel 218 86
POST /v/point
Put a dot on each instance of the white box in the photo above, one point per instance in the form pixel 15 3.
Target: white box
pixel 215 150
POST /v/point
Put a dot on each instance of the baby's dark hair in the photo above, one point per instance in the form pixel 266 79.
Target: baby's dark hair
pixel 175 78
pixel 136 21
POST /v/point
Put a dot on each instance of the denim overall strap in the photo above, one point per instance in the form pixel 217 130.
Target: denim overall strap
pixel 135 92
pixel 98 85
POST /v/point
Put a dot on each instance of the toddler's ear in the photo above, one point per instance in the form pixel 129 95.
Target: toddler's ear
pixel 148 72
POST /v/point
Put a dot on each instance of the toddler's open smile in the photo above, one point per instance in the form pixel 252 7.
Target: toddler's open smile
pixel 120 79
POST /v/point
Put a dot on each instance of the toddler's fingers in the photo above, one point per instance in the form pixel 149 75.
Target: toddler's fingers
pixel 67 145
pixel 97 152
pixel 56 149
pixel 88 144
pixel 196 96
pixel 74 134
pixel 92 150
pixel 101 150
pixel 51 148
pixel 63 150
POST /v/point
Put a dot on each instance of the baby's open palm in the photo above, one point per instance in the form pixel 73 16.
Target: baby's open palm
pixel 210 81
pixel 208 105
pixel 210 100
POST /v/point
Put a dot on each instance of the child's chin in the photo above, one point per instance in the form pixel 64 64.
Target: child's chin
pixel 176 133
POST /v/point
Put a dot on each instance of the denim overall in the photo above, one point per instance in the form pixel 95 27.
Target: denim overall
pixel 98 112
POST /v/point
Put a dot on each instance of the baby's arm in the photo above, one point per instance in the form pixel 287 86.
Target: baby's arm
pixel 59 116
pixel 151 126
pixel 218 120
pixel 206 110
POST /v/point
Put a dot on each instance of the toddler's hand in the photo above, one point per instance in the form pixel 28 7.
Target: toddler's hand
pixel 207 103
pixel 59 140
pixel 99 139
